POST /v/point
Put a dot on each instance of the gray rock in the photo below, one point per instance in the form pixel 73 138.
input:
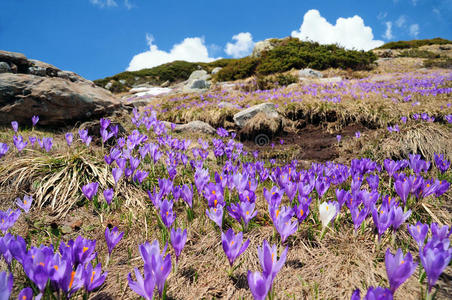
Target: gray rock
pixel 122 81
pixel 4 67
pixel 109 85
pixel 243 116
pixel 55 100
pixel 216 70
pixel 310 73
pixel 38 71
pixel 195 126
pixel 71 76
pixel 199 84
pixel 50 70
pixel 165 84
pixel 264 45
pixel 226 104
pixel 18 59
pixel 199 74
pixel 331 79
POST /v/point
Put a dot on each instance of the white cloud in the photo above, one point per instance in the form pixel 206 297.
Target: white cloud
pixel 388 33
pixel 414 30
pixel 382 15
pixel 128 4
pixel 190 49
pixel 400 22
pixel 242 47
pixel 347 32
pixel 104 3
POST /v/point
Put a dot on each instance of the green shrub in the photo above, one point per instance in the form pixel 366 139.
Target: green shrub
pixel 293 53
pixel 418 53
pixel 414 43
pixel 445 63
pixel 238 69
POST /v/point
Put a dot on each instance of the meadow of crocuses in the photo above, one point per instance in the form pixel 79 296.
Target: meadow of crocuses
pixel 211 219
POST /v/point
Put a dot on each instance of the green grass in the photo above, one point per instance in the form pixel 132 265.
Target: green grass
pixel 415 43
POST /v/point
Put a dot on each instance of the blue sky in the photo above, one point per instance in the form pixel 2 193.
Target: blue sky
pixel 98 38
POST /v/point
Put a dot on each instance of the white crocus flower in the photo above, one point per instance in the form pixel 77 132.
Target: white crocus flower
pixel 327 213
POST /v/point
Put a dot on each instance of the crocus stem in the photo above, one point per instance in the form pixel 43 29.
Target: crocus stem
pixel 428 295
pixel 107 260
pixel 322 234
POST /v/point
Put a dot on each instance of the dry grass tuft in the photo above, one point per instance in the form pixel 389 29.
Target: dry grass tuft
pixel 261 124
pixel 54 180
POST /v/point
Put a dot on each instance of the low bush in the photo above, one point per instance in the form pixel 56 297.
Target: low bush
pixel 445 63
pixel 414 43
pixel 418 53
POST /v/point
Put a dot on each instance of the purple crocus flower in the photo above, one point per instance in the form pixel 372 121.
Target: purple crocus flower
pixel 441 163
pixel 19 142
pixel 15 126
pixel 140 176
pixel 104 123
pixel 382 220
pixel 72 280
pixel 69 137
pixel 155 264
pixel 34 120
pixel 302 209
pixel 167 214
pixel 398 217
pixel 143 286
pixel 187 194
pixel 358 216
pixel 259 285
pixel 94 277
pixel 90 190
pixel 440 233
pixel 322 184
pixel 48 143
pixel 216 215
pixel 25 204
pixel 283 223
pixel 338 137
pixel 358 134
pixel 268 258
pixel 112 238
pixel 232 245
pixel 435 257
pixel 398 268
pixel 418 232
pixel 117 173
pixel 377 293
pixel 108 195
pixel 25 294
pixel 403 188
pixel 243 211
pixel 32 140
pixel 3 149
pixel 178 240
pixel 6 285
pixel 8 219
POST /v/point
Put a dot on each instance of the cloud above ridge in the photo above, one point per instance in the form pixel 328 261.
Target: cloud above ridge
pixel 243 45
pixel 191 49
pixel 351 33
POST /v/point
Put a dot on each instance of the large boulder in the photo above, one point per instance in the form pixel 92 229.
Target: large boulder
pixel 216 70
pixel 58 97
pixel 264 45
pixel 198 81
pixel 268 109
pixel 309 73
pixel 195 126
pixel 4 67
pixel 55 100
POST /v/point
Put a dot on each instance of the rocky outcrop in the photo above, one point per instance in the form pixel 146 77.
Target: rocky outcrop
pixel 58 97
pixel 216 70
pixel 264 45
pixel 310 73
pixel 198 81
pixel 195 126
pixel 268 109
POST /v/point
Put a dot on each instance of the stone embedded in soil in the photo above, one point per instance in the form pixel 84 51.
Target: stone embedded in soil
pixel 195 126
pixel 269 109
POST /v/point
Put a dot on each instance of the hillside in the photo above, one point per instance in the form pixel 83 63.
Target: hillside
pixel 283 55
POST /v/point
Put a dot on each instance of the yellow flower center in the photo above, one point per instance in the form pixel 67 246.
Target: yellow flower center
pixel 85 249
